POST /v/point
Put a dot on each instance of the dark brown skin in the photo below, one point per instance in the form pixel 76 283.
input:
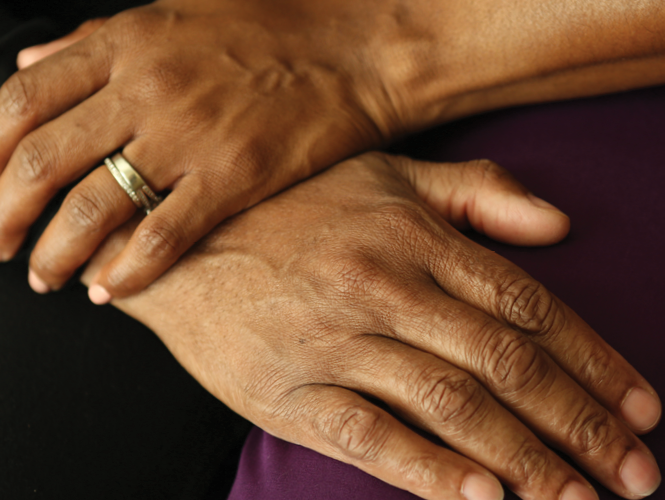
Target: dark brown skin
pixel 226 102
pixel 349 283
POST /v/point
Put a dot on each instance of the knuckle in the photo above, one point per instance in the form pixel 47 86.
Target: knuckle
pixel 159 241
pixel 451 399
pixel 359 432
pixel 422 471
pixel 591 431
pixel 515 365
pixel 17 96
pixel 529 306
pixel 83 211
pixel 530 464
pixel 600 368
pixel 36 161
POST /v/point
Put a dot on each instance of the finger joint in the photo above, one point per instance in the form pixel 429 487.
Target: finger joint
pixel 84 212
pixel 591 431
pixel 530 464
pixel 17 97
pixel 529 306
pixel 451 399
pixel 158 241
pixel 514 365
pixel 36 163
pixel 359 432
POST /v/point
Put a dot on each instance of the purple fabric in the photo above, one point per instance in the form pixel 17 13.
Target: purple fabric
pixel 599 160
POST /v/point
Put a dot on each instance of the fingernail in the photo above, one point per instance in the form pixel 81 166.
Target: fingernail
pixel 540 203
pixel 481 487
pixel 36 283
pixel 578 491
pixel 640 409
pixel 98 295
pixel 640 474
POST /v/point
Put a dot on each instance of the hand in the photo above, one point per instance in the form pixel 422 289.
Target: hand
pixel 225 102
pixel 350 285
pixel 221 102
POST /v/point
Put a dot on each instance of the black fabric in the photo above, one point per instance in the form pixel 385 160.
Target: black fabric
pixel 68 13
pixel 92 405
pixel 15 35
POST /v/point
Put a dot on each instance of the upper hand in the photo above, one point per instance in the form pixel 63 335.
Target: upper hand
pixel 221 102
pixel 350 285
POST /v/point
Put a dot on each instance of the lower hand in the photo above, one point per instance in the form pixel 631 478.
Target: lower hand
pixel 349 285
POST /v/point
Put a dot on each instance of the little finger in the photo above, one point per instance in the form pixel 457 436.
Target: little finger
pixel 342 425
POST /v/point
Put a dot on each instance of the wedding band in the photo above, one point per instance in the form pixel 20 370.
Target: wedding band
pixel 132 183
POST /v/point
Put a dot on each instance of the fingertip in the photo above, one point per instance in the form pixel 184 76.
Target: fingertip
pixel 482 487
pixel 10 246
pixel 37 284
pixel 99 295
pixel 641 410
pixel 640 474
pixel 6 256
pixel 26 57
pixel 559 221
pixel 526 221
pixel 578 491
pixel 540 203
pixel 555 227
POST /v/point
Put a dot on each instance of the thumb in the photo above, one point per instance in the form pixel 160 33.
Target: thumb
pixel 38 52
pixel 485 196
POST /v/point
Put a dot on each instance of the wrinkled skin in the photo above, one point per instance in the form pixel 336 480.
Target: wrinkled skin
pixel 349 285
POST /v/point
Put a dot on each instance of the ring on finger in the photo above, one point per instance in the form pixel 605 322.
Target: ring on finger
pixel 132 183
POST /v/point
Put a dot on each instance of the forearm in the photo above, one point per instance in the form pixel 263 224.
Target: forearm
pixel 450 58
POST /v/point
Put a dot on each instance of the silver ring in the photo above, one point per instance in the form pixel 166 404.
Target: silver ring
pixel 132 183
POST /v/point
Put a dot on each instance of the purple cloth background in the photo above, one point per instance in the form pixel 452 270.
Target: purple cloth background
pixel 600 160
